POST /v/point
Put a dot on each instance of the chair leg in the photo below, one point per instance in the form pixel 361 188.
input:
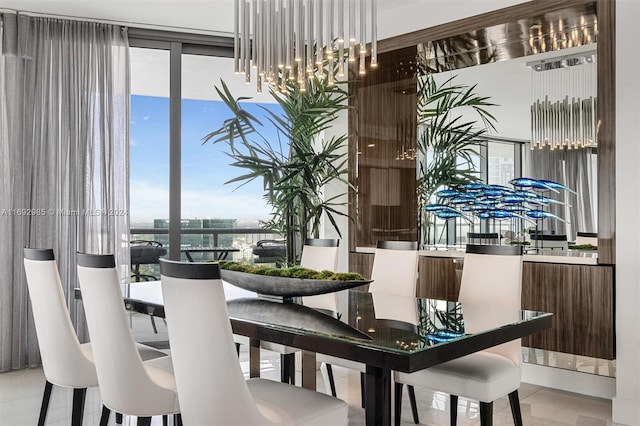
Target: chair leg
pixel 332 382
pixel 486 413
pixel 177 419
pixel 165 420
pixel 78 406
pixel 44 407
pixel 414 406
pixel 290 361
pixel 397 409
pixel 362 390
pixel 285 368
pixel 144 421
pixel 118 418
pixel 292 368
pixel 104 418
pixel 238 349
pixel 153 324
pixel 514 400
pixel 453 410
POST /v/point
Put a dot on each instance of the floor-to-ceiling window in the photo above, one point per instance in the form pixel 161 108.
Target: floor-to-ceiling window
pixel 229 214
pixel 180 197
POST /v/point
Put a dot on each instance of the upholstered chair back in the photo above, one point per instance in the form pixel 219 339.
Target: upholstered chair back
pixel 198 322
pixel 492 276
pixel 63 361
pixel 395 268
pixel 125 385
pixel 320 255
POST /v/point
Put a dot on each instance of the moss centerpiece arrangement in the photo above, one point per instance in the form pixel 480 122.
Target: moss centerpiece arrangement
pixel 583 247
pixel 287 282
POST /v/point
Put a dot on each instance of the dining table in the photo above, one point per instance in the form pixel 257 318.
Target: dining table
pixel 383 332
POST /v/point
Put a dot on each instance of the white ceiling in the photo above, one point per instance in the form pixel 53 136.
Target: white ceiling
pixel 394 16
pixel 202 15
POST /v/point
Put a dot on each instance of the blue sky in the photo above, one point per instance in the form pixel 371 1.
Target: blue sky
pixel 205 168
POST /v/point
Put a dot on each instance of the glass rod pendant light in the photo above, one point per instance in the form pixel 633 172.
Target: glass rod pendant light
pixel 294 40
pixel 564 102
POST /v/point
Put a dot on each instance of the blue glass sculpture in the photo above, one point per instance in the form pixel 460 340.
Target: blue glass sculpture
pixel 541 214
pixel 527 194
pixel 479 207
pixel 447 193
pixel 451 214
pixel 437 207
pixel 531 183
pixel 443 335
pixel 516 208
pixel 555 185
pixel 462 199
pixel 475 186
pixel 514 199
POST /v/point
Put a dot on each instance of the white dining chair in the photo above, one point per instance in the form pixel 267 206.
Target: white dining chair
pixel 491 276
pixel 214 391
pixel 394 273
pixel 587 238
pixel 66 362
pixel 319 254
pixel 128 384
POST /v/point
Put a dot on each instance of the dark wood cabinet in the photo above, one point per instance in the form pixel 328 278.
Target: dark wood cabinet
pixel 581 298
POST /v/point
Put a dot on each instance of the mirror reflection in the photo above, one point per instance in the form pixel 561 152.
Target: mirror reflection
pixel 525 68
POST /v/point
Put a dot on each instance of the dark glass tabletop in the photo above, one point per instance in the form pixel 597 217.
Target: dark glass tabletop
pixel 396 332
pixel 398 326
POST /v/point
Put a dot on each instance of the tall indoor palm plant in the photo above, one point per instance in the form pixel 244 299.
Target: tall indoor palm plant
pixel 447 142
pixel 297 165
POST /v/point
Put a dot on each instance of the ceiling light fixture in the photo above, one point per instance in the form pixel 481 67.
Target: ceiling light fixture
pixel 564 102
pixel 294 40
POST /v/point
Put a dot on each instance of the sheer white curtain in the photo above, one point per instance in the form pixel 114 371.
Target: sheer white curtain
pixel 64 139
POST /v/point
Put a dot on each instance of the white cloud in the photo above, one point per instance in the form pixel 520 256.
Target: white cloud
pixel 150 202
pixel 223 204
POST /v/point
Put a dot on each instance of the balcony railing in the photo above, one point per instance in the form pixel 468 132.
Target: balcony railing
pixel 243 239
pixel 260 233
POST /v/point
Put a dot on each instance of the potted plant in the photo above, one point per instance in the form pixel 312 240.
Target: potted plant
pixel 296 167
pixel 446 142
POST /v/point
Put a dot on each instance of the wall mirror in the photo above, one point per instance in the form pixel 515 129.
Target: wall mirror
pixel 498 60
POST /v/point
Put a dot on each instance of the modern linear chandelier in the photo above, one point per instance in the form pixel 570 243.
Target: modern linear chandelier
pixel 564 102
pixel 281 41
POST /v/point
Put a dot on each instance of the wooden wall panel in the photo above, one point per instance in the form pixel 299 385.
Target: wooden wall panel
pixel 606 10
pixel 581 298
pixel 382 125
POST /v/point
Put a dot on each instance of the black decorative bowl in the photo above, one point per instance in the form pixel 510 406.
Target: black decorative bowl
pixel 286 287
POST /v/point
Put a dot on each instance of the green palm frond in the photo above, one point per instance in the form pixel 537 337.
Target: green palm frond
pixel 295 168
pixel 446 138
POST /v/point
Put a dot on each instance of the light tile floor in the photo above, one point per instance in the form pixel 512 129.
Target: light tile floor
pixel 21 393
